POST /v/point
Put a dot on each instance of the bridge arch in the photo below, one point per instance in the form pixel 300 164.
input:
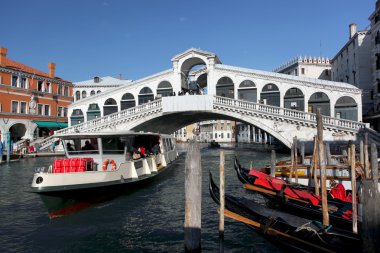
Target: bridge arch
pixel 92 93
pixel 84 94
pixel 225 87
pixel 76 117
pixel 109 107
pixel 145 95
pixel 93 111
pixel 127 101
pixel 98 91
pixel 247 91
pixel 270 94
pixel 186 67
pixel 294 99
pixel 346 108
pixel 164 89
pixel 202 82
pixel 319 100
pixel 175 121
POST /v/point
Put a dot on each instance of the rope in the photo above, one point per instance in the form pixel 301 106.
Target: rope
pixel 309 229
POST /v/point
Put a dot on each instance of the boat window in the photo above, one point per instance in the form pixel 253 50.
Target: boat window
pixel 112 145
pixel 82 146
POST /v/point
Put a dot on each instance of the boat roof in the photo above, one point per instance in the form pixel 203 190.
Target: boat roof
pixel 105 134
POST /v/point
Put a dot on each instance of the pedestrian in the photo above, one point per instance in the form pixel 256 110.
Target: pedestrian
pixel 53 147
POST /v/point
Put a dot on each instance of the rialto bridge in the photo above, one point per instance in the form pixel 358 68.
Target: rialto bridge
pixel 279 104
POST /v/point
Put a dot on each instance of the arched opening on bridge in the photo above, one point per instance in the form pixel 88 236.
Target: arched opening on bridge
pixel 110 106
pixel 17 131
pixel 76 117
pixel 127 101
pixel 319 100
pixel 164 89
pixel 225 87
pixel 84 94
pixel 145 95
pixel 270 95
pixel 92 93
pixel 98 92
pixel 247 91
pixel 294 99
pixel 202 82
pixel 77 95
pixel 191 69
pixel 93 111
pixel 346 108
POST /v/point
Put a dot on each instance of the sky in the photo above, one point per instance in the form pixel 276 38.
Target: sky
pixel 138 38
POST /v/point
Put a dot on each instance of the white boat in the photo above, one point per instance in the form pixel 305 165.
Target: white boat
pixel 99 166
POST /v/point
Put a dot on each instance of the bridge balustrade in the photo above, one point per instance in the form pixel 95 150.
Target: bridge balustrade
pixel 290 114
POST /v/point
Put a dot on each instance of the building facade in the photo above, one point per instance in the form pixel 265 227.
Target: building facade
pixel 32 102
pixel 309 67
pixel 374 18
pixel 352 64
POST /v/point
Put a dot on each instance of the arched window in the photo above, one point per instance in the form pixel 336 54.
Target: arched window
pixel 225 87
pixel 110 106
pixel 346 108
pixel 84 94
pixel 77 95
pixel 319 100
pixel 270 95
pixel 164 89
pixel 127 101
pixel 76 117
pixel 92 93
pixel 247 91
pixel 145 95
pixel 98 92
pixel 294 99
pixel 93 111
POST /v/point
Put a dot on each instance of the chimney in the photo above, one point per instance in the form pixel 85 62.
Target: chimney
pixel 3 56
pixel 51 67
pixel 119 76
pixel 352 30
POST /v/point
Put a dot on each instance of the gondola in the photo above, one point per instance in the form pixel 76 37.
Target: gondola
pixel 290 233
pixel 295 198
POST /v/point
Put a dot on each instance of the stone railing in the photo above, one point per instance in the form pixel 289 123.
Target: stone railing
pixel 289 114
pixel 113 118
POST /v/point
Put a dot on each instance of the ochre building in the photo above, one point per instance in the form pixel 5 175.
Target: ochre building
pixel 33 103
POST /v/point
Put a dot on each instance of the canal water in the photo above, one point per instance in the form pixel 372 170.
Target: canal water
pixel 146 220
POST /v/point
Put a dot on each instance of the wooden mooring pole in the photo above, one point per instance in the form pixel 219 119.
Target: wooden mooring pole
pixel 295 158
pixel 221 193
pixel 369 196
pixel 366 160
pixel 273 163
pixel 353 191
pixel 193 198
pixel 322 167
pixel 315 166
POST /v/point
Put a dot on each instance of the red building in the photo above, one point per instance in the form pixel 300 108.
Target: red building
pixel 32 102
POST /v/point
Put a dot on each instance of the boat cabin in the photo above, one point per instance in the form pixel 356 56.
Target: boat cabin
pixel 105 151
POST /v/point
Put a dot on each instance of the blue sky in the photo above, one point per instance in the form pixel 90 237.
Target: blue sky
pixel 86 38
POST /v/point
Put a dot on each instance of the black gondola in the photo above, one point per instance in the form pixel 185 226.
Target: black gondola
pixel 289 232
pixel 339 211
